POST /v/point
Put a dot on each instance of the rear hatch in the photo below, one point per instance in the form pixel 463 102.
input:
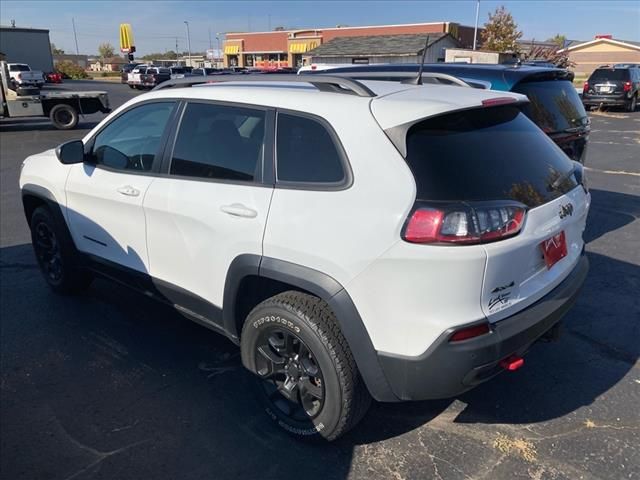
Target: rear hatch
pixel 607 82
pixel 501 185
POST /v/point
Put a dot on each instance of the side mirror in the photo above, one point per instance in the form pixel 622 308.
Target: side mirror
pixel 71 152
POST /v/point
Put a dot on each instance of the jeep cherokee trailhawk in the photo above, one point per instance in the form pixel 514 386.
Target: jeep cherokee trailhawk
pixel 357 240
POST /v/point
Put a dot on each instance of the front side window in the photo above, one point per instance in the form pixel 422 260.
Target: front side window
pixel 306 153
pixel 219 142
pixel 132 140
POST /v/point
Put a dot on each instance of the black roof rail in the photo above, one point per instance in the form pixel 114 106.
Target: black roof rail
pixel 324 83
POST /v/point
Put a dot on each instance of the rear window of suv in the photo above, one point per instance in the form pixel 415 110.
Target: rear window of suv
pixel 486 154
pixel 610 74
pixel 553 104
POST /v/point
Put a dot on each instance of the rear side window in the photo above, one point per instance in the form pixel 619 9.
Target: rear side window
pixel 609 74
pixel 486 154
pixel 219 142
pixel 19 68
pixel 554 105
pixel 306 152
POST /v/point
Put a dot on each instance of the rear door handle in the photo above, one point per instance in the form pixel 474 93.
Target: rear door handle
pixel 239 210
pixel 129 191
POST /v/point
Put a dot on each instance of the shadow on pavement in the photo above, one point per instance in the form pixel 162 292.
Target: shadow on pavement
pixel 610 211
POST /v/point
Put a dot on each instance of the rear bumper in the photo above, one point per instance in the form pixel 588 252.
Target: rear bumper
pixel 449 369
pixel 594 100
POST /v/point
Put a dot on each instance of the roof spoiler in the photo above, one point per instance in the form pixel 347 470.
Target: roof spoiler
pixel 324 83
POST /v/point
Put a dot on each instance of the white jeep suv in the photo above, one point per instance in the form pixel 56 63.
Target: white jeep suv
pixel 355 239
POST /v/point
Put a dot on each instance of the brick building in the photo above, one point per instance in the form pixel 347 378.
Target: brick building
pixel 289 48
pixel 603 50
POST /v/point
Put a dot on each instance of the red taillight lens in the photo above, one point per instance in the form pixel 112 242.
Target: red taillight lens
pixel 585 87
pixel 627 86
pixel 470 332
pixel 474 223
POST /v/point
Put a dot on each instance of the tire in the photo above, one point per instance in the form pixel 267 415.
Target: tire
pixel 294 345
pixel 64 117
pixel 56 255
pixel 631 106
pixel 131 86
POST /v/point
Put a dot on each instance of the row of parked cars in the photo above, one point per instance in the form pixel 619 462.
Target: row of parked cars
pixel 143 76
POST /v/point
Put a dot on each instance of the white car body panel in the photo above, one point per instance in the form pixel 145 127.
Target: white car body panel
pixel 192 241
pixel 44 170
pixel 519 260
pixel 105 214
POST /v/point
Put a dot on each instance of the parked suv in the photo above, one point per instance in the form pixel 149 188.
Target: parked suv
pixel 613 86
pixel 554 104
pixel 355 239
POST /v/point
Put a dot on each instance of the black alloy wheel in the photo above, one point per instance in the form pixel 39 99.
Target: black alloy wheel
pixel 48 253
pixel 293 381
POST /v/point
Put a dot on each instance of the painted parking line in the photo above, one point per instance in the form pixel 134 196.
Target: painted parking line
pixel 613 172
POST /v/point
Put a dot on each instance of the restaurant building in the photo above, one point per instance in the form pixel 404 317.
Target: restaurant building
pixel 290 48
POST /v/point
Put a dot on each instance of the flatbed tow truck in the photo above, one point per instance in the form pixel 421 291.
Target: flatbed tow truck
pixel 63 108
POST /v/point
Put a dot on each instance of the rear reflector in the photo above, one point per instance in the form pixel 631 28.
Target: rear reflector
pixel 468 223
pixel 470 332
pixel 512 363
pixel 492 102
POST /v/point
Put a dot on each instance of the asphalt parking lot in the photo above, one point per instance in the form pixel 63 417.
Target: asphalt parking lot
pixel 110 385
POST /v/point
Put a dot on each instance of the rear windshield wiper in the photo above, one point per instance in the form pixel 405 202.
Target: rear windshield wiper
pixel 562 178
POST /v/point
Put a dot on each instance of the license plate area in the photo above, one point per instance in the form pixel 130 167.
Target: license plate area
pixel 554 249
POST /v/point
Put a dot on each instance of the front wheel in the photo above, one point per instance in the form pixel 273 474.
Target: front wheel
pixel 55 254
pixel 64 117
pixel 308 380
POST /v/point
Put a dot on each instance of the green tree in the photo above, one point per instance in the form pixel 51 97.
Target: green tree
pixel 106 50
pixel 501 32
pixel 55 50
pixel 558 39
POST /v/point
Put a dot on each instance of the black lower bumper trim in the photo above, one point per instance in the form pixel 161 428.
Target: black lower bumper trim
pixel 448 369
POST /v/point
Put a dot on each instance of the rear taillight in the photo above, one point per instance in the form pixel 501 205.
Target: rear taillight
pixel 627 86
pixel 585 87
pixel 468 223
pixel 470 332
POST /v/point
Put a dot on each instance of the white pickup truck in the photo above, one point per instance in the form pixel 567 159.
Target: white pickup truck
pixel 22 75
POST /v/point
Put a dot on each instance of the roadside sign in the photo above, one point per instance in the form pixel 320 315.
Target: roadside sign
pixel 126 38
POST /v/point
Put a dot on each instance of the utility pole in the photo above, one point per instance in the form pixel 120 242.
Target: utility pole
pixel 188 43
pixel 75 35
pixel 210 44
pixel 177 55
pixel 220 55
pixel 475 30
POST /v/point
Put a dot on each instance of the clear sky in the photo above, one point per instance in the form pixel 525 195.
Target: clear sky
pixel 157 24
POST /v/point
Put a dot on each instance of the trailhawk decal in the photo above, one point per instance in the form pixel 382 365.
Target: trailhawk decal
pixel 501 297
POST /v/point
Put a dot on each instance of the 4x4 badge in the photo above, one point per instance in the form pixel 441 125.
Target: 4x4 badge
pixel 566 210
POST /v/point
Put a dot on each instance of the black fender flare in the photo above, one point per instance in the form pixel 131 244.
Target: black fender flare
pixel 49 199
pixel 328 289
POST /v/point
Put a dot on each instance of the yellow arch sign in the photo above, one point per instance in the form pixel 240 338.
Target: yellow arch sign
pixel 126 38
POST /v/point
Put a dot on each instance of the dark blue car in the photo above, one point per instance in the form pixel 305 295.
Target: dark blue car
pixel 554 104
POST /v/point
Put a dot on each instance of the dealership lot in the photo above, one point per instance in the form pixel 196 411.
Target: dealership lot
pixel 110 385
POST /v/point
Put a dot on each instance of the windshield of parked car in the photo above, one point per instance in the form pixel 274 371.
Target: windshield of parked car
pixel 606 74
pixel 19 68
pixel 492 153
pixel 554 105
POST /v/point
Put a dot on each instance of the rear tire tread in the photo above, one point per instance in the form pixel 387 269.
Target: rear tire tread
pixel 317 314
